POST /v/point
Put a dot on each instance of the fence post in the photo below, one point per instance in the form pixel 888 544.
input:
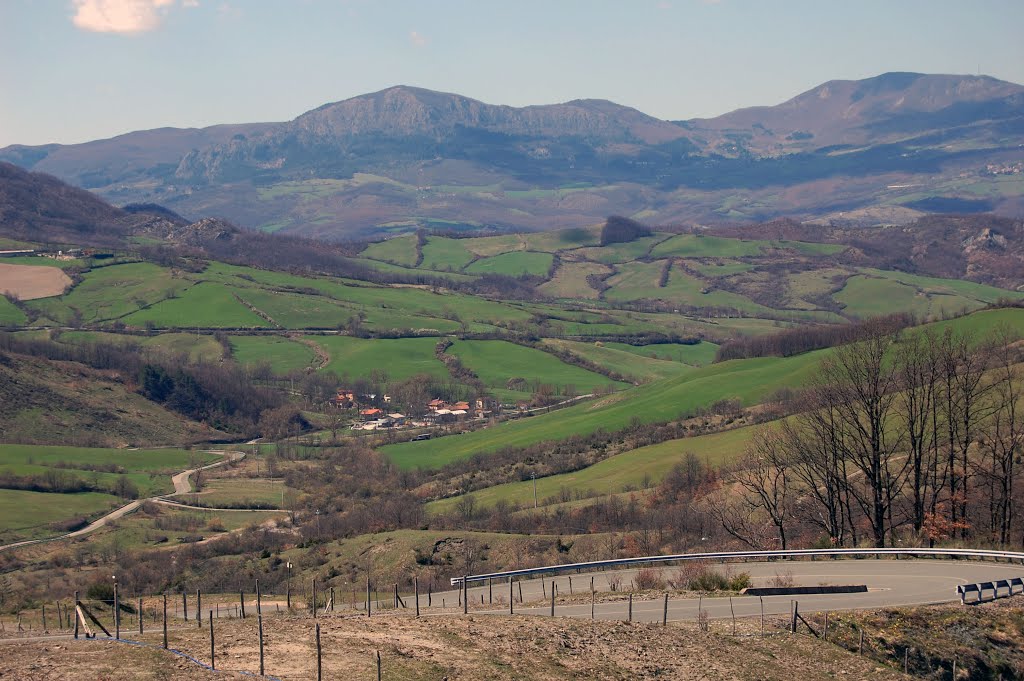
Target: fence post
pixel 416 588
pixel 259 625
pixel 465 595
pixel 319 661
pixel 184 605
pixel 761 598
pixel 140 616
pixel 396 595
pixel 824 628
pixel 117 613
pixel 906 660
pixel 165 621
pixel 520 593
pixel 511 598
pixel 76 614
pixel 860 645
pixel 259 599
pixel 241 603
pixel 312 587
pixel 332 599
pixel 593 602
pixel 631 606
pixel 552 598
pixel 490 592
pixel 213 658
pixel 199 608
pixel 733 611
pixel 796 610
pixel 367 595
pixel 378 665
pixel 664 614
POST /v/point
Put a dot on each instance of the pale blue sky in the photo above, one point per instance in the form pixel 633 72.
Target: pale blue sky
pixel 75 70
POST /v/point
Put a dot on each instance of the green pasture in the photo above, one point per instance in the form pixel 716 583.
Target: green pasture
pixel 205 305
pixel 636 366
pixel 10 314
pixel 703 246
pixel 570 280
pixel 400 250
pixel 621 252
pixel 495 362
pixel 30 515
pixel 444 254
pixel 514 264
pixel 398 358
pixel 698 354
pixel 282 354
pixel 623 472
pixel 748 381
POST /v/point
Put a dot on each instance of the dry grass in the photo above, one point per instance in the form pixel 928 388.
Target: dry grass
pixel 473 647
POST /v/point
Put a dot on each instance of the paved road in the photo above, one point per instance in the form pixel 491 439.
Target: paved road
pixel 890 583
pixel 181 486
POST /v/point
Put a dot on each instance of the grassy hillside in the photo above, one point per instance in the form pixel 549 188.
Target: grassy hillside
pixel 629 471
pixel 746 380
pixel 749 381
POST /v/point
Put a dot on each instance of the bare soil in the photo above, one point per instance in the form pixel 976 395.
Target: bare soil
pixel 450 647
pixel 29 282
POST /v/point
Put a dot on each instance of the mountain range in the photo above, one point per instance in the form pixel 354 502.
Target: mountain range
pixel 884 150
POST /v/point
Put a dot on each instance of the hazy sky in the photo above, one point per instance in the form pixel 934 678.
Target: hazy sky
pixel 75 70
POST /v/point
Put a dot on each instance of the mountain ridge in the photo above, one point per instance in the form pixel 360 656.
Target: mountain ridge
pixel 406 157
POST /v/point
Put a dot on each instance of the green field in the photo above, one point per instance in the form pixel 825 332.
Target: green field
pixel 698 354
pixel 749 381
pixel 206 305
pixel 570 281
pixel 514 264
pixel 633 365
pixel 10 314
pixel 25 514
pixel 495 362
pixel 445 254
pixel 398 358
pixel 282 354
pixel 701 246
pixel 630 470
pixel 399 250
pixel 30 515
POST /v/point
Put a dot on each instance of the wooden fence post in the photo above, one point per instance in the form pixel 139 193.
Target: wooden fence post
pixel 199 608
pixel 465 595
pixel 140 616
pixel 312 585
pixel 332 600
pixel 367 595
pixel 630 606
pixel 761 598
pixel 44 620
pixel 552 598
pixel 824 628
pixel 117 613
pixel 733 616
pixel 860 645
pixel 259 625
pixel 76 614
pixel 378 665
pixel 664 614
pixel 259 599
pixel 319 662
pixel 520 593
pixel 593 602
pixel 511 598
pixel 241 603
pixel 165 621
pixel 796 610
pixel 213 658
pixel 490 592
pixel 416 587
pixel 184 605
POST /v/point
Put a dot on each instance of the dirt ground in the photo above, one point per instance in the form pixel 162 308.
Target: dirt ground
pixel 448 647
pixel 29 282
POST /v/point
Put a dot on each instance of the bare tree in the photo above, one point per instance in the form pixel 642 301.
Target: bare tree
pixel 764 478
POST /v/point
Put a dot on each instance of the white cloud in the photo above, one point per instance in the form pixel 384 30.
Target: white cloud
pixel 122 16
pixel 418 39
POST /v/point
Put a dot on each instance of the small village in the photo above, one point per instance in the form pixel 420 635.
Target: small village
pixel 436 412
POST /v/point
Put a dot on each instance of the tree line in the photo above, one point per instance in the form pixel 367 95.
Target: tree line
pixel 912 436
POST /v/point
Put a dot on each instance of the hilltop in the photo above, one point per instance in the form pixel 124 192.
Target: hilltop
pixel 899 144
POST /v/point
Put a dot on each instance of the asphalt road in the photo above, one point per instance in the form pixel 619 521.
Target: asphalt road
pixel 889 582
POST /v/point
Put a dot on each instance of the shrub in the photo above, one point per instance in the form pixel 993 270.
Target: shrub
pixel 710 581
pixel 649 579
pixel 740 581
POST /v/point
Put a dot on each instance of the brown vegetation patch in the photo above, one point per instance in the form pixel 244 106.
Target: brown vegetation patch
pixel 28 282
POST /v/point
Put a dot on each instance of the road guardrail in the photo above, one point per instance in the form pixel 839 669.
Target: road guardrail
pixel 981 587
pixel 977 554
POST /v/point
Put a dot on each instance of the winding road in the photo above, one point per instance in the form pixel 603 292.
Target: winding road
pixel 181 486
pixel 890 583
